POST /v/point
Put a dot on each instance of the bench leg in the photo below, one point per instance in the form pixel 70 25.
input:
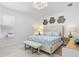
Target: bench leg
pixel 51 54
pixel 38 51
pixel 32 50
pixel 25 46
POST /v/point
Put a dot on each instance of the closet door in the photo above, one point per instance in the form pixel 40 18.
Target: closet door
pixel 8 23
pixel 8 20
pixel 0 25
pixel 0 20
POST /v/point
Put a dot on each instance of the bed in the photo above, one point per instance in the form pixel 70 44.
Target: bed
pixel 50 42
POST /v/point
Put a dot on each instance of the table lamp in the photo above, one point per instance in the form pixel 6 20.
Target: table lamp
pixel 39 30
pixel 71 29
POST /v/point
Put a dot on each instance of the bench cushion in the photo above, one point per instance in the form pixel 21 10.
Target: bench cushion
pixel 33 44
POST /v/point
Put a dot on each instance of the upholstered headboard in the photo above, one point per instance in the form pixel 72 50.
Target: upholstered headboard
pixel 55 28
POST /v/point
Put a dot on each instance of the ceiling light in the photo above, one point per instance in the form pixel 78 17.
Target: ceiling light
pixel 39 5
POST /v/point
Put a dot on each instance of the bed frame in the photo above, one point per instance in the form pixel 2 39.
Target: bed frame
pixel 53 28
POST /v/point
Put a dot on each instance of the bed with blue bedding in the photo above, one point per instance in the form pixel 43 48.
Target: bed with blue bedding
pixel 50 39
pixel 50 43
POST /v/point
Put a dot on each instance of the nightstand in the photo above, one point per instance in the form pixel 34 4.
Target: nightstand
pixel 65 40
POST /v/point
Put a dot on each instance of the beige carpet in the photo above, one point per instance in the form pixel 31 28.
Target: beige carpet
pixel 14 48
pixel 59 51
pixel 18 50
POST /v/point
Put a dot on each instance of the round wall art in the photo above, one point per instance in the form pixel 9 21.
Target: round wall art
pixel 52 20
pixel 45 22
pixel 61 19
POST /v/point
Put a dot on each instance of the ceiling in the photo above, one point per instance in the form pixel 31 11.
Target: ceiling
pixel 28 9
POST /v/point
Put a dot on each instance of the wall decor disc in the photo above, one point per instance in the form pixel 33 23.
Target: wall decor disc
pixel 45 22
pixel 61 19
pixel 52 20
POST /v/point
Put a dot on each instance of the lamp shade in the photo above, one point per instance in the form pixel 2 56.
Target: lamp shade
pixel 39 29
pixel 71 28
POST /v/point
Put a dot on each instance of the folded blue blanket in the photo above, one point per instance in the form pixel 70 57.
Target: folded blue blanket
pixel 77 40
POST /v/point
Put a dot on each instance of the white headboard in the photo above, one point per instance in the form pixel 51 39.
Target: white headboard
pixel 55 28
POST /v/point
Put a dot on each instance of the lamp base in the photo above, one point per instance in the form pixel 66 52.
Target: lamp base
pixel 70 36
pixel 39 33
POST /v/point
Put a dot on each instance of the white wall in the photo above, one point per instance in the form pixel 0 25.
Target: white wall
pixel 23 23
pixel 71 15
pixel 72 18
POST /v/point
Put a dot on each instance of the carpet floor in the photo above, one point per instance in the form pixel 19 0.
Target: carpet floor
pixel 13 48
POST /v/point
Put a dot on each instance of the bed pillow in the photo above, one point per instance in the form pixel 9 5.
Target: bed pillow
pixel 52 33
pixel 56 34
pixel 47 33
pixel 44 33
